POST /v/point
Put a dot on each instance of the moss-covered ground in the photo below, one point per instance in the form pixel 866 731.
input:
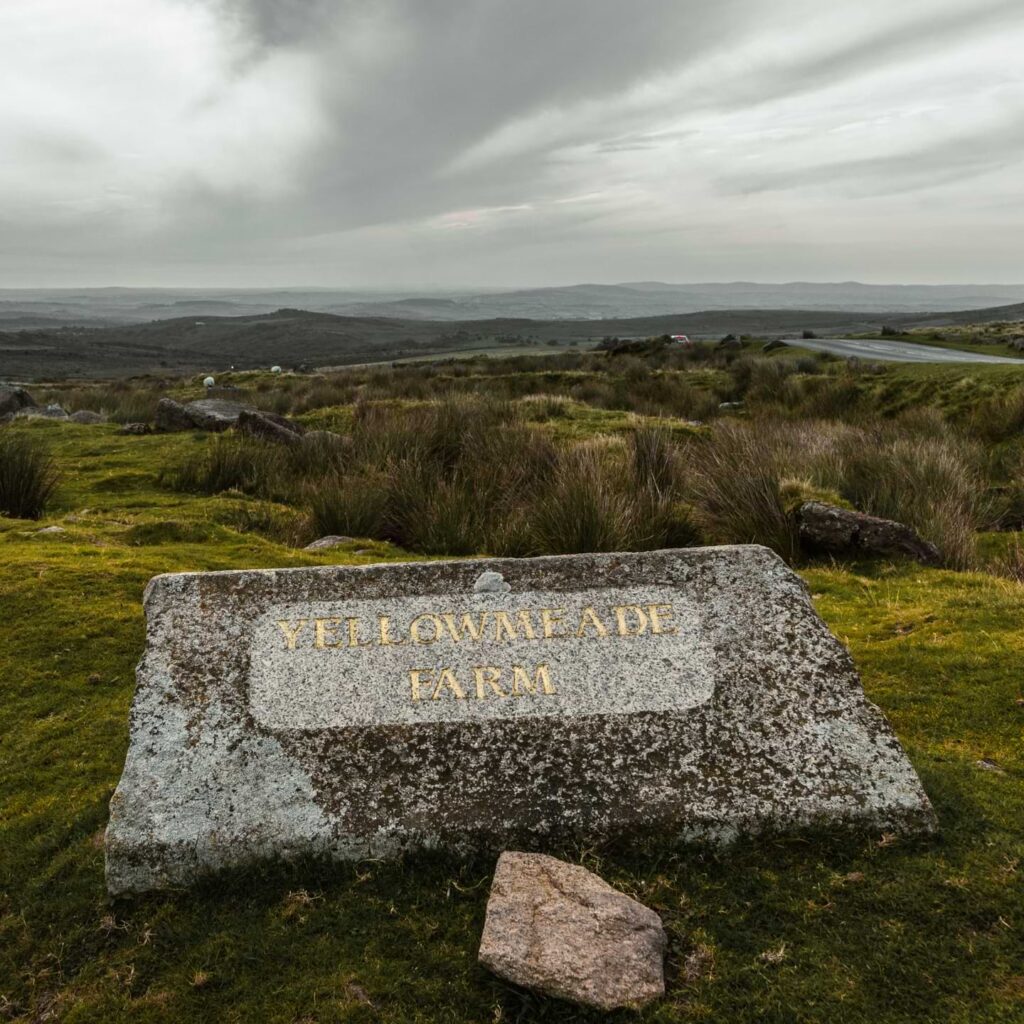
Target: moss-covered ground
pixel 856 928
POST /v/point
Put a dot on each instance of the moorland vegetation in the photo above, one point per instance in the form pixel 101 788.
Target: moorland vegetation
pixel 531 454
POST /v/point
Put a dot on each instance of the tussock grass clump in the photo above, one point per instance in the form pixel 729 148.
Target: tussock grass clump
pixel 748 478
pixel 28 475
pixel 464 476
pixel 931 484
pixel 737 488
pixel 229 462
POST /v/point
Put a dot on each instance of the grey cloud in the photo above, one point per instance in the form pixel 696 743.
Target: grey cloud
pixel 405 87
pixel 957 158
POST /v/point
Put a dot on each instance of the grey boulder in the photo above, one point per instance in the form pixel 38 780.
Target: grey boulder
pixel 53 411
pixel 13 400
pixel 87 416
pixel 268 427
pixel 558 929
pixel 211 414
pixel 840 531
pixel 325 543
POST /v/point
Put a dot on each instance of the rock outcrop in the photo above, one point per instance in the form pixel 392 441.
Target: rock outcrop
pixel 841 531
pixel 268 427
pixel 558 929
pixel 211 414
pixel 13 399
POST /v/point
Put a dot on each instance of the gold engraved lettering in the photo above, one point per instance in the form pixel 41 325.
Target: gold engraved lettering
pixel 471 627
pixel 324 633
pixel 590 620
pixel 386 639
pixel 447 678
pixel 505 628
pixel 657 612
pixel 418 677
pixel 353 634
pixel 291 633
pixel 520 677
pixel 551 617
pixel 414 628
pixel 487 675
pixel 641 617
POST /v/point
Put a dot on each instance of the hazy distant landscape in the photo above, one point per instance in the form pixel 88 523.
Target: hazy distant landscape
pixel 119 332
pixel 53 307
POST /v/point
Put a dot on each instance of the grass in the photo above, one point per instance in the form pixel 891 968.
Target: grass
pixel 849 928
pixel 28 476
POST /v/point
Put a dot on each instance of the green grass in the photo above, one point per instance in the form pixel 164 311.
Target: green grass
pixel 855 928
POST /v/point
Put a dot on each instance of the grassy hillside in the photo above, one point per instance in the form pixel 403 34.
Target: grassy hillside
pixel 851 928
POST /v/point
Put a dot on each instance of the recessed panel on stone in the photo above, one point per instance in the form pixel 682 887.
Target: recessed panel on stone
pixel 360 711
pixel 477 656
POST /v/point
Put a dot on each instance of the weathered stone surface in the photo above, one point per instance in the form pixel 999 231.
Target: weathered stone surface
pixel 267 427
pixel 87 416
pixel 324 543
pixel 136 429
pixel 13 399
pixel 213 414
pixel 558 929
pixel 331 710
pixel 840 531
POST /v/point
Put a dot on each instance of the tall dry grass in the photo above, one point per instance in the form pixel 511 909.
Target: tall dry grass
pixel 28 475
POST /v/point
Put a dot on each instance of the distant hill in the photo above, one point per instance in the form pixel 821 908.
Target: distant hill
pixel 292 336
pixel 122 306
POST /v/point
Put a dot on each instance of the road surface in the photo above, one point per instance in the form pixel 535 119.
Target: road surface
pixel 896 351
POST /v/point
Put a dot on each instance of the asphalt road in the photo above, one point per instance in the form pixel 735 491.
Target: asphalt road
pixel 896 351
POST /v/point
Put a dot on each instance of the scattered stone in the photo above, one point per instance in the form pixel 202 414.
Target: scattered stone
pixel 730 405
pixel 87 416
pixel 13 400
pixel 343 710
pixel 988 765
pixel 558 929
pixel 212 414
pixel 53 411
pixel 136 429
pixel 730 343
pixel 840 531
pixel 267 427
pixel 51 530
pixel 328 542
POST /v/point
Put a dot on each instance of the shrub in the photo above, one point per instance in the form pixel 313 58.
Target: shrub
pixel 583 510
pixel 931 484
pixel 737 492
pixel 355 505
pixel 228 462
pixel 28 476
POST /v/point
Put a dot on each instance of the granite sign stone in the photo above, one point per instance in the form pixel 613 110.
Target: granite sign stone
pixel 354 711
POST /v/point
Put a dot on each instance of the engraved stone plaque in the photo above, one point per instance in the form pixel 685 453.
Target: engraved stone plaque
pixel 359 711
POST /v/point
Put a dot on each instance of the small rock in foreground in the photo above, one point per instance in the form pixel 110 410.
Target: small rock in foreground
pixel 558 929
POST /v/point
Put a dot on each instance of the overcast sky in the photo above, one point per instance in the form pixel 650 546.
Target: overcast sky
pixel 451 143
